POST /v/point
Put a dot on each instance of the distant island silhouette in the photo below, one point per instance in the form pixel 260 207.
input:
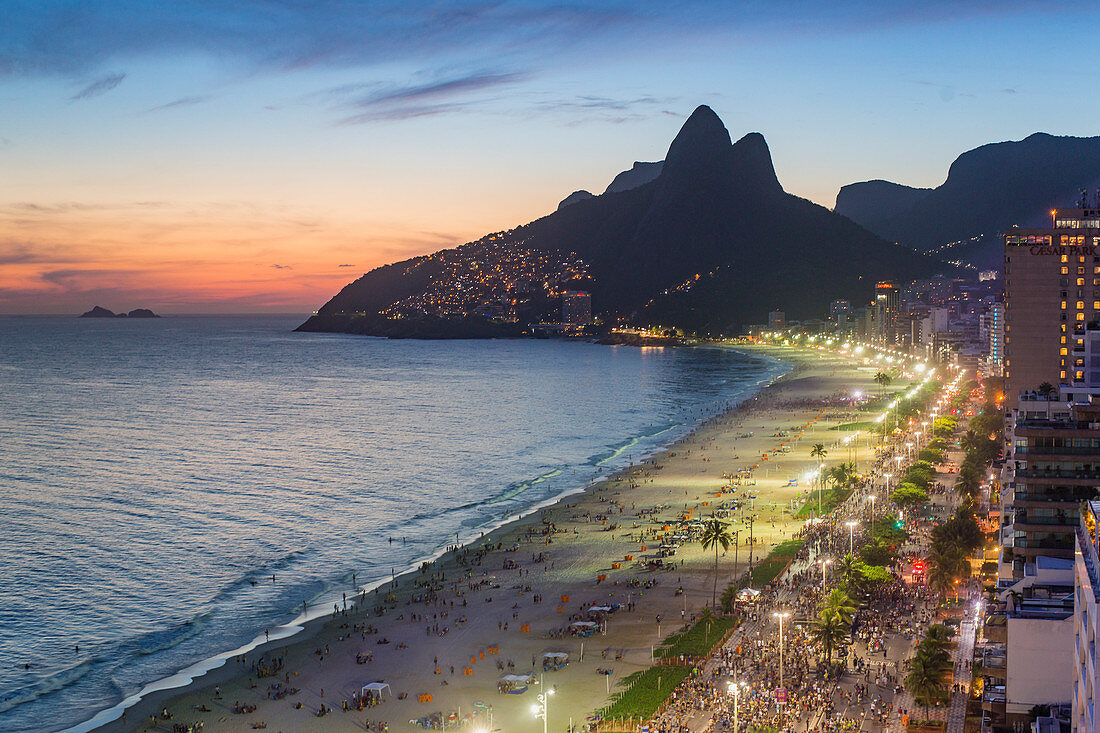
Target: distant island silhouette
pixel 101 312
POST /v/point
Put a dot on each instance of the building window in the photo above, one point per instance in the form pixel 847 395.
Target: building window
pixel 1080 375
pixel 1065 258
pixel 1063 305
pixel 1080 316
pixel 1080 281
pixel 1065 351
pixel 1063 372
pixel 1065 270
pixel 1081 270
pixel 1063 339
pixel 1080 304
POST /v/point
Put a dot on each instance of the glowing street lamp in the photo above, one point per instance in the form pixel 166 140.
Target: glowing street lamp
pixel 872 498
pixel 851 536
pixel 779 615
pixel 823 564
pixel 735 690
pixel 540 710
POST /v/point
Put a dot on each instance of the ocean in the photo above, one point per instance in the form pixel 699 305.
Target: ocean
pixel 155 475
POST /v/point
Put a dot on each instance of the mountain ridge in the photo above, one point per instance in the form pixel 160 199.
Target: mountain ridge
pixel 988 189
pixel 712 243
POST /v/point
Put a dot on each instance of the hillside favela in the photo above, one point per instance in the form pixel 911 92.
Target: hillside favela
pixel 520 367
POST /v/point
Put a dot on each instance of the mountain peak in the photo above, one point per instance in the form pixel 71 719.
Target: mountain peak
pixel 701 138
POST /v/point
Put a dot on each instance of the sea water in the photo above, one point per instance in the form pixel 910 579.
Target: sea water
pixel 155 475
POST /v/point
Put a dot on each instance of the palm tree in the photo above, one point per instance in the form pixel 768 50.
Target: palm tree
pixel 828 631
pixel 716 533
pixel 927 678
pixel 1047 390
pixel 819 452
pixel 850 572
pixel 947 565
pixel 883 380
pixel 841 604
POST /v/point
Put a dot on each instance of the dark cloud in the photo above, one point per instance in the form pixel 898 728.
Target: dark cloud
pixel 100 86
pixel 345 265
pixel 181 102
pixel 282 267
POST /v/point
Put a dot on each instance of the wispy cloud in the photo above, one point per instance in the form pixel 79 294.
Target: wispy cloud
pixel 181 102
pixel 345 265
pixel 98 87
pixel 282 267
pixel 418 99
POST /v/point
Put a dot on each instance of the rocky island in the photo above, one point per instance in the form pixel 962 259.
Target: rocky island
pixel 101 312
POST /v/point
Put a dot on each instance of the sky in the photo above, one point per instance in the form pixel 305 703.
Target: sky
pixel 218 156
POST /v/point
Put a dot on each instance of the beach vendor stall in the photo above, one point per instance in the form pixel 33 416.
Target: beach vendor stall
pixel 583 628
pixel 514 684
pixel 373 691
pixel 553 661
pixel 748 595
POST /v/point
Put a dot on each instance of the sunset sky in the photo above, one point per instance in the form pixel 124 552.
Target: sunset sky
pixel 206 156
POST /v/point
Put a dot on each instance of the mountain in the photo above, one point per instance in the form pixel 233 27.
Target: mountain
pixel 711 244
pixel 875 200
pixel 638 175
pixel 574 197
pixel 988 190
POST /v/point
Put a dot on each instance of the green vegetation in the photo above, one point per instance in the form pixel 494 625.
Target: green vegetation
pixel 931 455
pixel 647 691
pixel 929 667
pixel 850 426
pixel 909 495
pixel 830 500
pixel 765 572
pixel 698 640
pixel 786 550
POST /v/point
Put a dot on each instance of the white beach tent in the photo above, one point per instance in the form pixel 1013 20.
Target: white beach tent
pixel 584 624
pixel 598 609
pixel 375 688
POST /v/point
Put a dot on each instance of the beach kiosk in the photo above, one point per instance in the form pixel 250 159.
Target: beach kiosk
pixel 583 628
pixel 372 692
pixel 553 661
pixel 514 684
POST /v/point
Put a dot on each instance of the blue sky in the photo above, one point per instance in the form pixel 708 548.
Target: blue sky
pixel 204 156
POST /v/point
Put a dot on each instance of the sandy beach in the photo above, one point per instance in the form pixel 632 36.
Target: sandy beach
pixel 497 606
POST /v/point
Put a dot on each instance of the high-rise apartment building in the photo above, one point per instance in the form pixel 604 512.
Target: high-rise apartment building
pixel 1052 292
pixel 576 308
pixel 887 308
pixel 839 310
pixel 996 319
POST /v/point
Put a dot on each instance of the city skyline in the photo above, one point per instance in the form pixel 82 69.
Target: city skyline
pixel 209 158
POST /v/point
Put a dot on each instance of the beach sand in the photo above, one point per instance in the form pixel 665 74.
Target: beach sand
pixel 687 477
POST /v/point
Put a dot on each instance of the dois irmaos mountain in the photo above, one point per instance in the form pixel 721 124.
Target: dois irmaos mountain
pixel 710 244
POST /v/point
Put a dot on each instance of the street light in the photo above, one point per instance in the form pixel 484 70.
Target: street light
pixel 540 709
pixel 872 498
pixel 851 536
pixel 823 564
pixel 735 690
pixel 779 615
pixel 887 476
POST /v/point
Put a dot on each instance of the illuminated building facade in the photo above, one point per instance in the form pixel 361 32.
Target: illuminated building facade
pixel 576 308
pixel 1052 293
pixel 887 309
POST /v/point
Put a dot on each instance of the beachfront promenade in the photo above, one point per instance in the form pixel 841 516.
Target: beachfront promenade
pixel 442 639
